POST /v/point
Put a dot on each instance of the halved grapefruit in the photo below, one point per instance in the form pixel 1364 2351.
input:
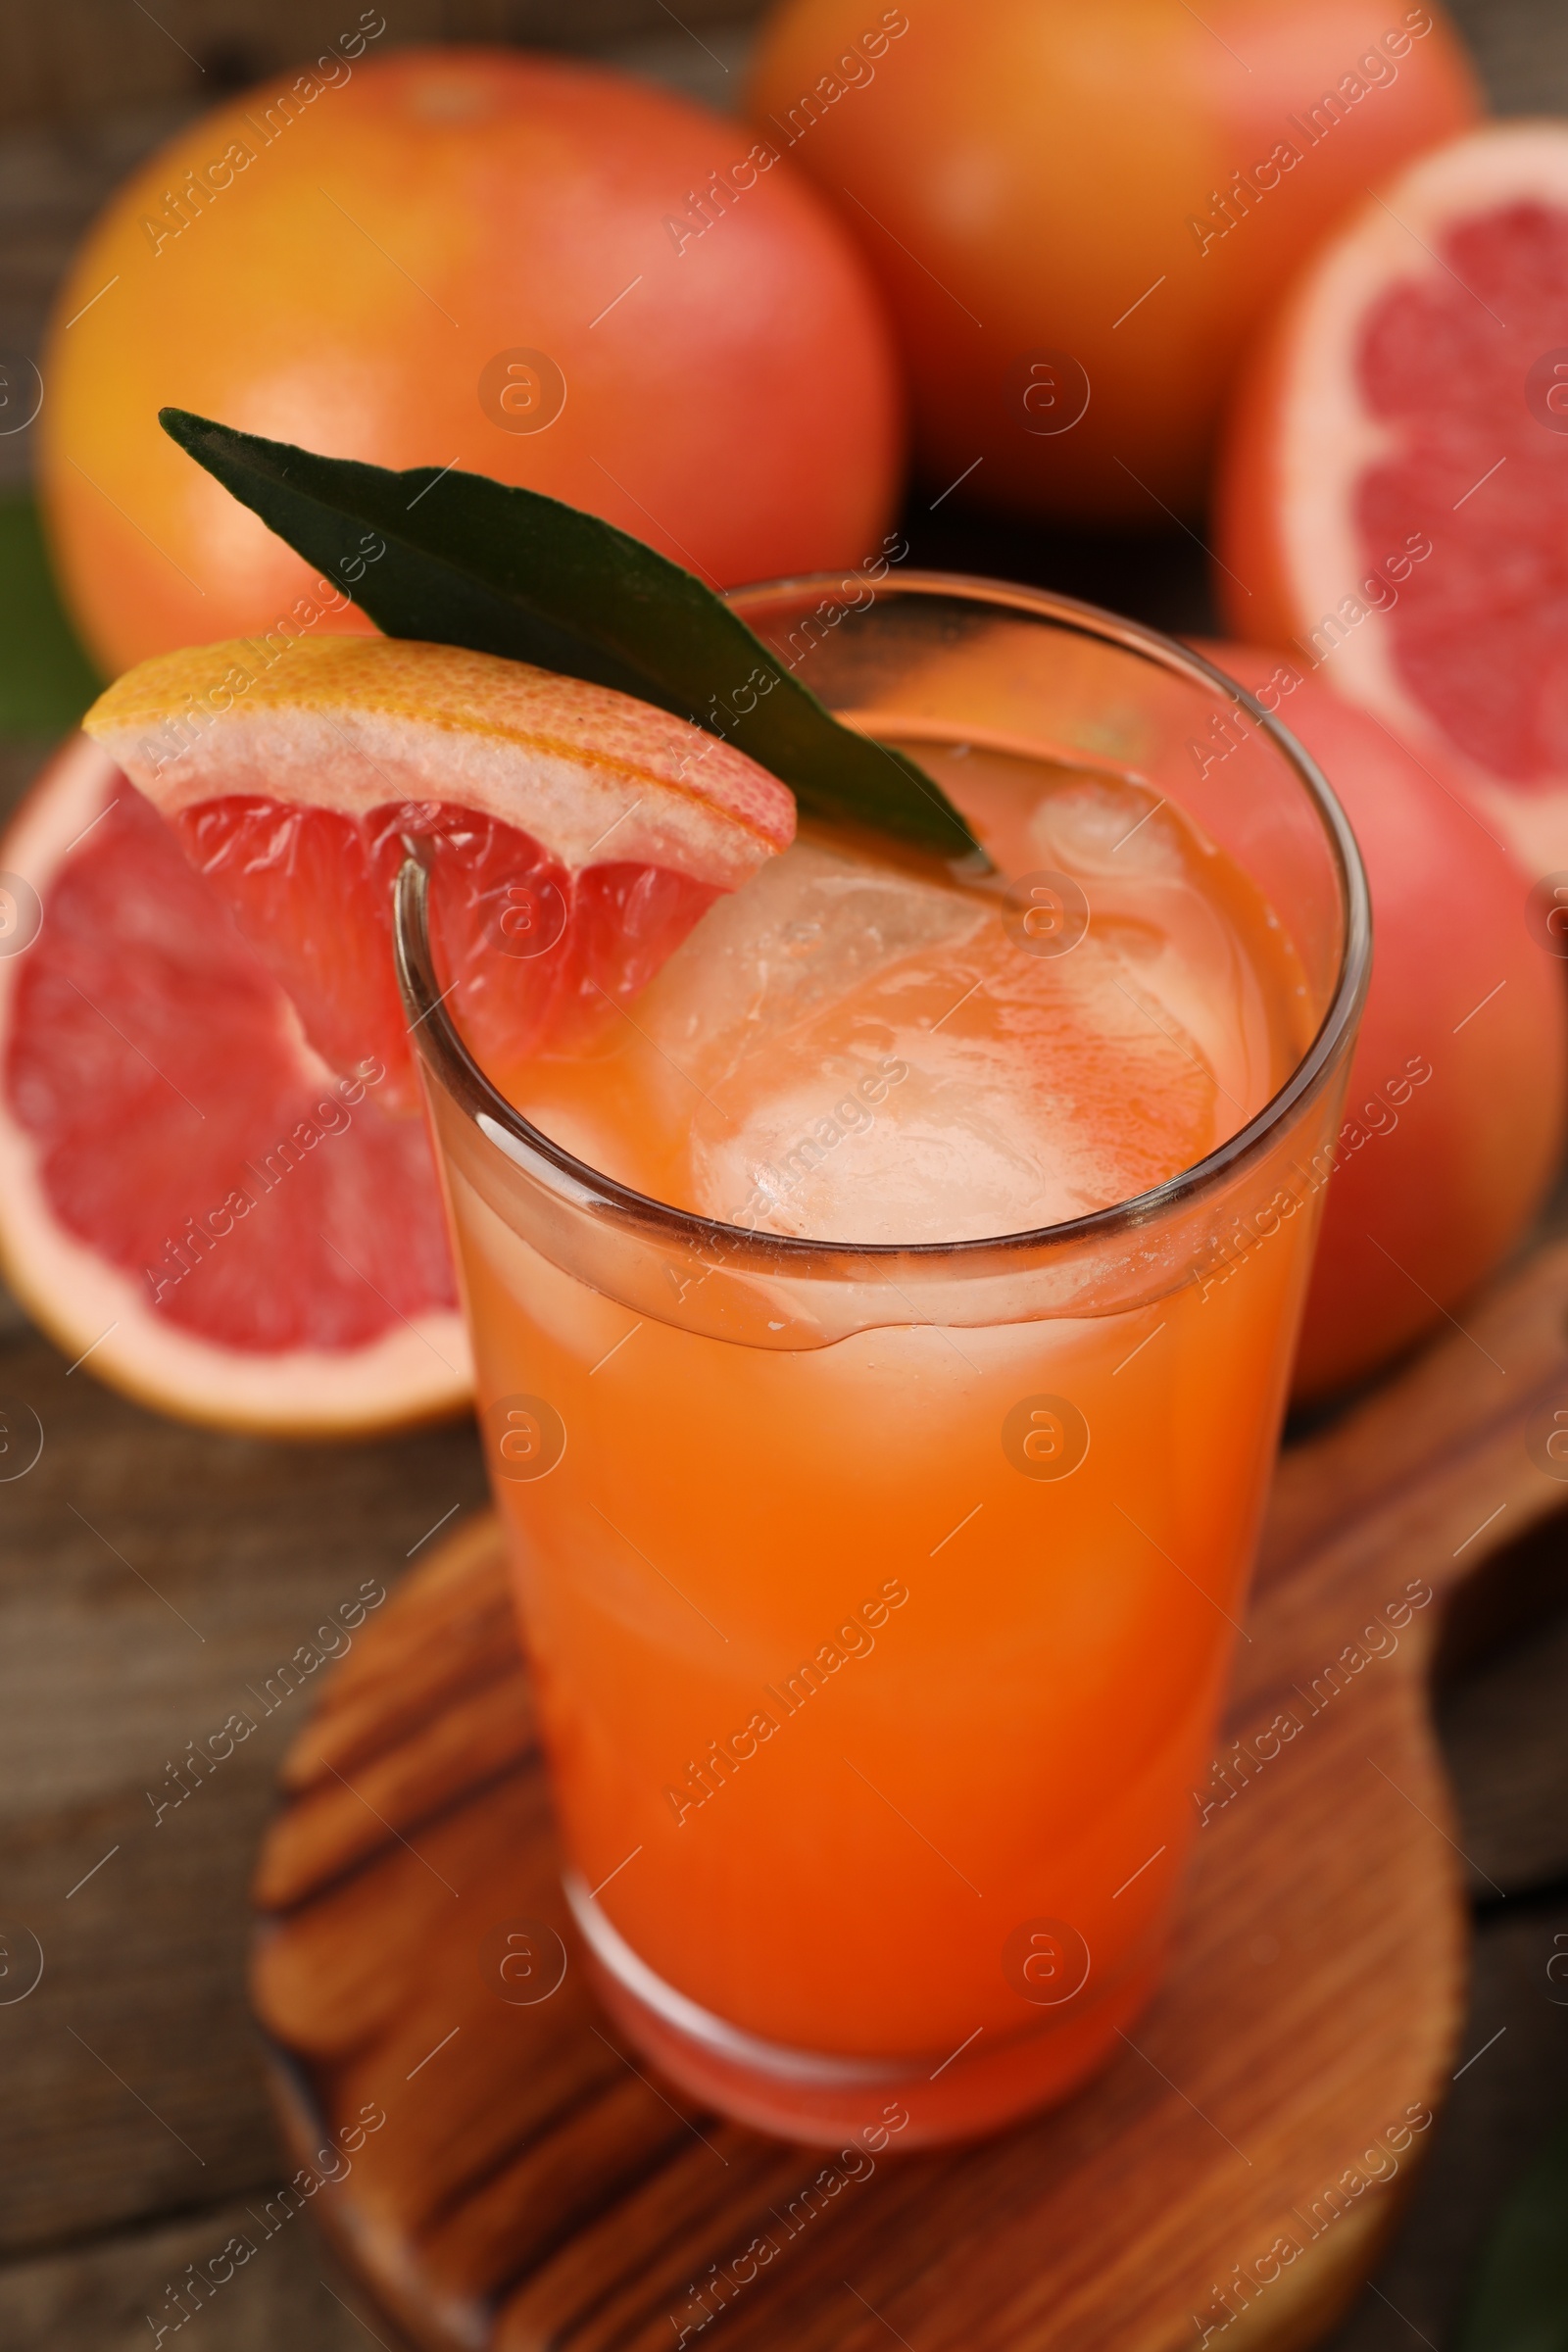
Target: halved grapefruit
pixel 191 1201
pixel 1393 501
pixel 214 1186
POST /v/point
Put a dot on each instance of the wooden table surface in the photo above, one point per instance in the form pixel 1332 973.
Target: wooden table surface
pixel 149 1573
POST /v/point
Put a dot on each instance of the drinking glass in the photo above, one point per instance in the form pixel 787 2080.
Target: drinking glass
pixel 879 1598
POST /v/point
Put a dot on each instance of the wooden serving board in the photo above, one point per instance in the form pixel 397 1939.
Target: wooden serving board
pixel 510 2177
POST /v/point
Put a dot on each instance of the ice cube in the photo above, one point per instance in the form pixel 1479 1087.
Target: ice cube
pixel 804 933
pixel 966 1089
pixel 1104 827
pixel 856 1050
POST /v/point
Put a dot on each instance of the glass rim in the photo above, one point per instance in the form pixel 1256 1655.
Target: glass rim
pixel 441 1046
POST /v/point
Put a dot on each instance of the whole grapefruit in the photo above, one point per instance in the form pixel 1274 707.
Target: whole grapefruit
pixel 540 270
pixel 1081 213
pixel 1455 1108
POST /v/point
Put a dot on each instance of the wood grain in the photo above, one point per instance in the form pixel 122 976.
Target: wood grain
pixel 534 2186
pixel 83 59
pixel 151 1578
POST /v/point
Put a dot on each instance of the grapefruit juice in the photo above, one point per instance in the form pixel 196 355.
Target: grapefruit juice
pixel 879 1572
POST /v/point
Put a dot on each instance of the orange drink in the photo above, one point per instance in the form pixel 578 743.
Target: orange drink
pixel 882 1329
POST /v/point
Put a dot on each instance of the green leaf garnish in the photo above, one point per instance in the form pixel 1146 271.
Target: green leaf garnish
pixel 1519 2301
pixel 510 571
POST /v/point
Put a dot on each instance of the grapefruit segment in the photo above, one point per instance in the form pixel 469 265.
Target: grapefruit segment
pixel 190 1201
pixel 574 835
pixel 1394 497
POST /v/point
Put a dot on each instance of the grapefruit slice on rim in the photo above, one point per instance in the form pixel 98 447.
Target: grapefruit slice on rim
pixel 215 1188
pixel 190 1202
pixel 1393 489
pixel 574 835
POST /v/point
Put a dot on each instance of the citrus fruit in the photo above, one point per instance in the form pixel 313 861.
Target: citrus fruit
pixel 544 271
pixel 1394 489
pixel 574 835
pixel 212 1183
pixel 1457 1097
pixel 190 1201
pixel 1080 215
